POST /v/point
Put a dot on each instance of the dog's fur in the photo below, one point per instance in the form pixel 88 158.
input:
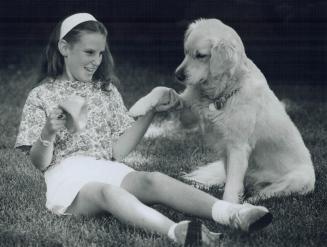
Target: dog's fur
pixel 257 144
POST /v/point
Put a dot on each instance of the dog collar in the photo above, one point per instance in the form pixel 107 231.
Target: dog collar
pixel 220 102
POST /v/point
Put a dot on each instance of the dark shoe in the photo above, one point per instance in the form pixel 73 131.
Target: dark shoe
pixel 194 233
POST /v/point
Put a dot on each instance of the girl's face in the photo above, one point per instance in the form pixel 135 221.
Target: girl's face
pixel 84 57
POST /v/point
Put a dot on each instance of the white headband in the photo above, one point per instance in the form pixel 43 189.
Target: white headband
pixel 72 21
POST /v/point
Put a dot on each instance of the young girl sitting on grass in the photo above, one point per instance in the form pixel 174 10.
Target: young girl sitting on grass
pixel 82 170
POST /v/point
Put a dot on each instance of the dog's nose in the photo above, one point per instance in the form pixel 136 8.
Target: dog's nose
pixel 180 75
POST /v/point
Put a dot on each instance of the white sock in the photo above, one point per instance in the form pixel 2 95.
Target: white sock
pixel 222 210
pixel 171 232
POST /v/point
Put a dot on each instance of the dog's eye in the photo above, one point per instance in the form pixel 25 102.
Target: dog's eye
pixel 199 55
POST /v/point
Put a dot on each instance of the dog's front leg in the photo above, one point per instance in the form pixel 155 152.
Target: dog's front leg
pixel 236 166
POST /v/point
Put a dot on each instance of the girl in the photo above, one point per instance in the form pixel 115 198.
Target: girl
pixel 82 170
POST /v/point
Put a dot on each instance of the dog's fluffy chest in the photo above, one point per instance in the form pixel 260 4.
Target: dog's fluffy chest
pixel 233 123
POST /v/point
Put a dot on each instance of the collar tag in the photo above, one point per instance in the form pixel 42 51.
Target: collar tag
pixel 219 104
pixel 212 107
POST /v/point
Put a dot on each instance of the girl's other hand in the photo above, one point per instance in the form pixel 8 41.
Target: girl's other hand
pixel 55 121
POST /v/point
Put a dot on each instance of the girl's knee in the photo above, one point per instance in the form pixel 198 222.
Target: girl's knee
pixel 150 180
pixel 89 200
pixel 109 192
pixel 155 178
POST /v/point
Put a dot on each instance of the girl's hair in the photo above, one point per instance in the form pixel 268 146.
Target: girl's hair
pixel 53 62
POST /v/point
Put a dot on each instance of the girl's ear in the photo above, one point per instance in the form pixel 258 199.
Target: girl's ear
pixel 63 47
pixel 223 57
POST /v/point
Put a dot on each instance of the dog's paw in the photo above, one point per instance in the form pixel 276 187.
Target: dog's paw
pixel 158 96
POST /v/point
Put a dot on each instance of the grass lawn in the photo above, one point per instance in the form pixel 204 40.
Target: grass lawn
pixel 24 220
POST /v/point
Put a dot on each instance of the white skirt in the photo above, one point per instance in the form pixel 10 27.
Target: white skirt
pixel 65 180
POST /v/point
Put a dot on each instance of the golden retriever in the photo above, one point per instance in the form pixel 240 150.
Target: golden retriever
pixel 258 146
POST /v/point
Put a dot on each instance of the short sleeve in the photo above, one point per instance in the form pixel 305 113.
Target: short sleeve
pixel 121 119
pixel 32 120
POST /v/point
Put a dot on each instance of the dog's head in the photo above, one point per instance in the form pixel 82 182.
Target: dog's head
pixel 212 50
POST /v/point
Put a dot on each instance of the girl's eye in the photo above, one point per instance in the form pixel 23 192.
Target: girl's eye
pixel 199 55
pixel 89 52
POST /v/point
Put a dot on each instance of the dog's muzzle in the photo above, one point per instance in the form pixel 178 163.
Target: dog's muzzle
pixel 180 75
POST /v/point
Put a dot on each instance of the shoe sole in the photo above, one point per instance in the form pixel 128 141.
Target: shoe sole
pixel 260 223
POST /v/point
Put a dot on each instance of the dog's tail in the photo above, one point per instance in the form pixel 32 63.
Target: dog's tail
pixel 211 174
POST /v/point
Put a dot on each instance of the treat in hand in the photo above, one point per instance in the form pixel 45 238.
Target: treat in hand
pixel 160 99
pixel 75 109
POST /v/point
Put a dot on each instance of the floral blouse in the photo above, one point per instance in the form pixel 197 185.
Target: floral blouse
pixel 107 119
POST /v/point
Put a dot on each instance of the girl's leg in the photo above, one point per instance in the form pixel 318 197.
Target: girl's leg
pixel 95 198
pixel 154 187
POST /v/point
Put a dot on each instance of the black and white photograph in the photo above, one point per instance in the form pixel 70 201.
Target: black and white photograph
pixel 163 123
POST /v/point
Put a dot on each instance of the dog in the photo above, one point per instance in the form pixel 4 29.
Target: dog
pixel 259 149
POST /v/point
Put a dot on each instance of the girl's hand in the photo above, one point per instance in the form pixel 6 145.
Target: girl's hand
pixel 55 121
pixel 42 152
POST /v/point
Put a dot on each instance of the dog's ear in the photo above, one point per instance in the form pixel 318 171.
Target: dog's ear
pixel 223 58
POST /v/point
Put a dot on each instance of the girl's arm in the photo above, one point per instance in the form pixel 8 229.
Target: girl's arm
pixel 160 99
pixel 42 150
pixel 132 136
